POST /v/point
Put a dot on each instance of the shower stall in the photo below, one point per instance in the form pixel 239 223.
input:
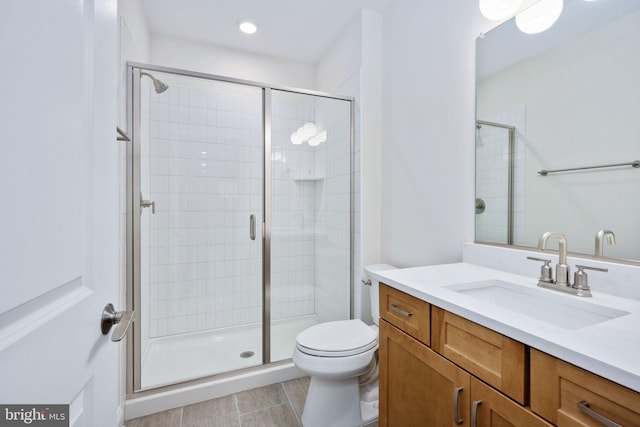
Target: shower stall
pixel 239 222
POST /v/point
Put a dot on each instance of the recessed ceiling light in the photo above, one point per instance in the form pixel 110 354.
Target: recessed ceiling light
pixel 248 27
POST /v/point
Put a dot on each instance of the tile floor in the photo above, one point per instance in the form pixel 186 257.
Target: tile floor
pixel 277 405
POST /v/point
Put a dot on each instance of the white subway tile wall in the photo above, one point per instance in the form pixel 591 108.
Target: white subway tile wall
pixel 205 176
pixel 203 146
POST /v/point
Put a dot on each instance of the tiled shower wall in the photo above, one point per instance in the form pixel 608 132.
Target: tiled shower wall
pixel 205 153
pixel 205 175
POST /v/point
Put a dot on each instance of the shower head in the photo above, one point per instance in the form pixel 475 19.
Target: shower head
pixel 157 84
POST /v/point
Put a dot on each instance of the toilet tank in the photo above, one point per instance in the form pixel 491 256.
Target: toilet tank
pixel 375 304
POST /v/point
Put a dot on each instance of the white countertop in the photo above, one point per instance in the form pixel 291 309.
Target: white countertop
pixel 610 349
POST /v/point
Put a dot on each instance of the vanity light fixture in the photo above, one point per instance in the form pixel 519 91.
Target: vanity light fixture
pixel 247 27
pixel 496 10
pixel 539 17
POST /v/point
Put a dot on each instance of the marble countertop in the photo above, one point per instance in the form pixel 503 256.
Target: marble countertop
pixel 610 349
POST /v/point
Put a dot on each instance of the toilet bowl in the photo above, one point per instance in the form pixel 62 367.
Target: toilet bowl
pixel 341 358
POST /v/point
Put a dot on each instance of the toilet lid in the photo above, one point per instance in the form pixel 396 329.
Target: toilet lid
pixel 337 339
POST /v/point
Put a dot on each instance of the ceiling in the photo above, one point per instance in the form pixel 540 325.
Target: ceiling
pixel 300 30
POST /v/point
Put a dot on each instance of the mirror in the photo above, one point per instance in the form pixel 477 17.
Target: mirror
pixel 567 98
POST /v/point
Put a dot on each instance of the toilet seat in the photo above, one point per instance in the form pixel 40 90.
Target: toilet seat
pixel 339 338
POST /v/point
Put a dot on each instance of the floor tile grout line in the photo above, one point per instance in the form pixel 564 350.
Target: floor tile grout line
pixel 265 408
pixel 181 415
pixel 235 398
pixel 291 404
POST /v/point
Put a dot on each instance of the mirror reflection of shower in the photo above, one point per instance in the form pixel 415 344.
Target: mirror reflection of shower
pixel 494 203
pixel 157 84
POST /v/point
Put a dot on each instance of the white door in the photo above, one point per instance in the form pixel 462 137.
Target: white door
pixel 58 206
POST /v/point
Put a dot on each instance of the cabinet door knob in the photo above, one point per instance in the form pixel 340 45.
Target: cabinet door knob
pixel 456 398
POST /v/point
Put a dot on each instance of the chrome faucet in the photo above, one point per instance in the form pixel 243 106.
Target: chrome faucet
pixel 601 237
pixel 562 269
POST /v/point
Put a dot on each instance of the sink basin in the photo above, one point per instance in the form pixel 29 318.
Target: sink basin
pixel 564 311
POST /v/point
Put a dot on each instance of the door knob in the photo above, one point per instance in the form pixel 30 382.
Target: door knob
pixel 111 317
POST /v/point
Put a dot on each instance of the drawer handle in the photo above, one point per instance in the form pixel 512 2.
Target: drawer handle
pixel 456 396
pixel 400 311
pixel 474 412
pixel 584 408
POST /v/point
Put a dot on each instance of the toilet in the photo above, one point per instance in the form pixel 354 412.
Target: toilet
pixel 341 358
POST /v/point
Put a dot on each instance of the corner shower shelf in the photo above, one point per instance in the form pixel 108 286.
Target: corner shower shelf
pixel 309 178
pixel 304 174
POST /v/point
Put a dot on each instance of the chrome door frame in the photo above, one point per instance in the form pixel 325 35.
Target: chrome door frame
pixel 133 245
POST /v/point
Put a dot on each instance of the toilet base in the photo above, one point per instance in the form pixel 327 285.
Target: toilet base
pixel 338 403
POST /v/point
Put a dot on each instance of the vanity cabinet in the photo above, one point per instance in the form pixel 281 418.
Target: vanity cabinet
pixel 570 396
pixel 442 382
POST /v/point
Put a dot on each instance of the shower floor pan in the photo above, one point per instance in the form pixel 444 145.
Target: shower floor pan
pixel 178 358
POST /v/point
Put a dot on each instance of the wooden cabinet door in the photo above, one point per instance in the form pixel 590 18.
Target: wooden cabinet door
pixel 490 408
pixel 417 385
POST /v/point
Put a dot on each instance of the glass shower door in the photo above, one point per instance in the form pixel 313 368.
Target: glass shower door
pixel 200 148
pixel 310 215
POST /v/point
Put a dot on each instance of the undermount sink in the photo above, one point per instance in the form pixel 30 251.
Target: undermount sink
pixel 564 311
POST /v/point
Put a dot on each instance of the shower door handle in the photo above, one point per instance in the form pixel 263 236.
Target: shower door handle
pixel 252 227
pixel 146 204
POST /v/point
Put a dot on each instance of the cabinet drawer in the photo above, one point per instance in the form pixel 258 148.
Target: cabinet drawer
pixel 558 387
pixel 407 313
pixel 489 355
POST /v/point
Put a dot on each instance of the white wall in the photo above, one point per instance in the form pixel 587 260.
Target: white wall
pixel 428 130
pixel 218 60
pixel 342 59
pixel 133 45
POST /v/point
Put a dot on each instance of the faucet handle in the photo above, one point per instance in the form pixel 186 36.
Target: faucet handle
pixel 581 280
pixel 546 274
